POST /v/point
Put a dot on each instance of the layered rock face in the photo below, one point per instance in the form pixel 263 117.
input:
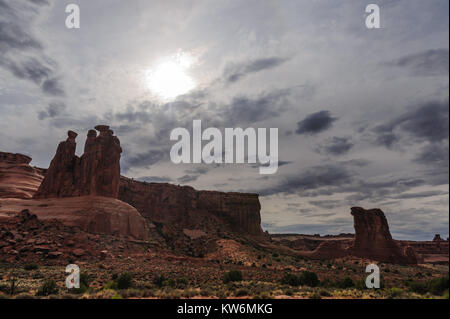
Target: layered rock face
pixel 185 206
pixel 373 239
pixel 96 172
pixel 17 178
pixel 179 211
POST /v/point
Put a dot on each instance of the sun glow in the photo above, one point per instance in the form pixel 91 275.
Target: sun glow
pixel 170 78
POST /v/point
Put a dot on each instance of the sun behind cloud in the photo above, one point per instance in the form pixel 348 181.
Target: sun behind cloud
pixel 170 78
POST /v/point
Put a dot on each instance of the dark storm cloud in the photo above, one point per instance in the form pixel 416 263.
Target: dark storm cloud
pixel 254 109
pixel 428 122
pixel 188 179
pixel 144 159
pixel 13 37
pixel 419 194
pixel 17 44
pixel 327 204
pixel 155 179
pixel 312 178
pixel 53 109
pixel 335 146
pixel 315 123
pixel 39 2
pixel 427 63
pixel 436 154
pixel 193 174
pixel 235 72
pixel 52 87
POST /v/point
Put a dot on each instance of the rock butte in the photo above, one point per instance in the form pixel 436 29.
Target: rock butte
pixel 89 194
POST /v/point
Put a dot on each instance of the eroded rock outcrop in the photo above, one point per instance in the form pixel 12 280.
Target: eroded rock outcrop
pixel 177 208
pixel 17 178
pixel 93 214
pixel 373 239
pixel 96 172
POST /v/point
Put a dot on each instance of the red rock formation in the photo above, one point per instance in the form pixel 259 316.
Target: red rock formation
pixel 17 178
pixel 186 207
pixel 177 208
pixel 97 172
pixel 328 249
pixel 373 239
pixel 94 214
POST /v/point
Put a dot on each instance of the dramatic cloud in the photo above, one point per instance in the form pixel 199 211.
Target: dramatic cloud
pixel 247 109
pixel 155 179
pixel 146 159
pixel 315 123
pixel 426 63
pixel 436 154
pixel 336 146
pixel 22 54
pixel 312 178
pixel 53 109
pixel 235 72
pixel 428 122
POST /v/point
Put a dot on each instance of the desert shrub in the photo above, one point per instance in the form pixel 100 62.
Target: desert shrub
pixel 85 280
pixel 130 293
pixel 315 295
pixel 30 267
pixel 291 280
pixel 418 287
pixel 309 278
pixel 159 280
pixel 24 296
pixel 241 293
pixel 438 286
pixel 181 282
pixel 47 288
pixel 394 293
pixel 231 276
pixel 124 281
pixel 288 292
pixel 324 293
pixel 345 283
pixel 327 283
pixel 360 284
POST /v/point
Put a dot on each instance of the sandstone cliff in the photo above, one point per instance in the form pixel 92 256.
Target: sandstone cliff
pixel 181 210
pixel 373 239
pixel 17 178
pixel 96 172
pixel 94 214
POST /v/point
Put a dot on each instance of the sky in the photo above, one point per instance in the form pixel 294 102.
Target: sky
pixel 362 114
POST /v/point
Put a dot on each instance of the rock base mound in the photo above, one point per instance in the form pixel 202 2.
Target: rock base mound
pixel 93 214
